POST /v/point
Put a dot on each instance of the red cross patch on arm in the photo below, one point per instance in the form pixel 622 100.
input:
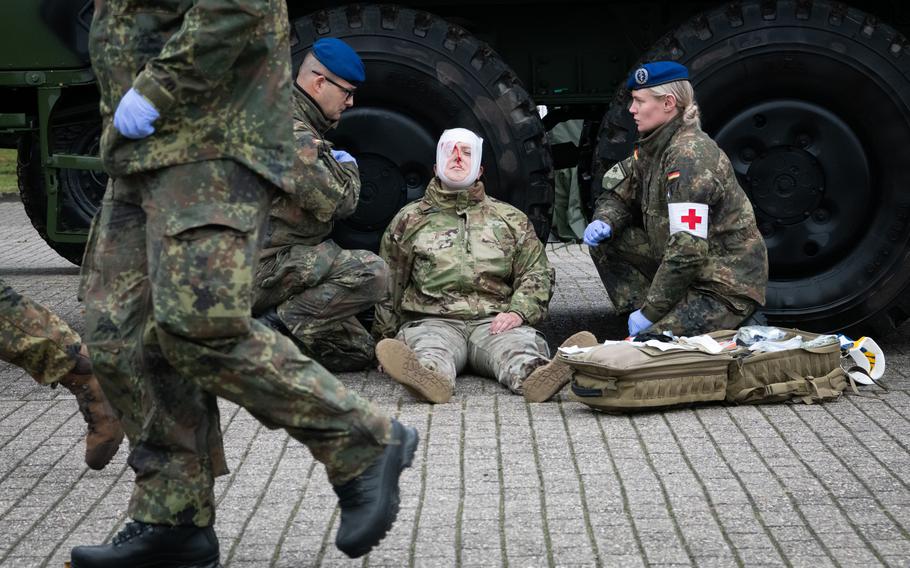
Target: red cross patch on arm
pixel 689 217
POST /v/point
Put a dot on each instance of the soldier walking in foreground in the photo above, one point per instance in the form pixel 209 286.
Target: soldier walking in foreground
pixel 34 338
pixel 676 232
pixel 195 102
pixel 307 286
pixel 468 279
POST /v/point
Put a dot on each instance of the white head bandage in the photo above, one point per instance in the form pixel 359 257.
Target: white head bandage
pixel 448 146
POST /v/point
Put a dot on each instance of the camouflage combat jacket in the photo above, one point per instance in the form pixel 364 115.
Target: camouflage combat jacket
pixel 462 255
pixel 679 163
pixel 217 71
pixel 322 188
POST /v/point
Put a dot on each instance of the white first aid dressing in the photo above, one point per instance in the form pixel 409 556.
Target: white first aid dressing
pixel 689 217
pixel 448 145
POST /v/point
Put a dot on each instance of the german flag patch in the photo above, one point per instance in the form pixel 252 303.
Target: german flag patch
pixel 673 175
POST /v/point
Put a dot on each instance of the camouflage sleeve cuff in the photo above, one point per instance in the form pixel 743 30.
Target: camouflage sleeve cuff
pixel 651 313
pixel 154 91
pixel 528 314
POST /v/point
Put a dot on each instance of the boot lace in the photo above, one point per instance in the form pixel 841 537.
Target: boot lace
pixel 130 531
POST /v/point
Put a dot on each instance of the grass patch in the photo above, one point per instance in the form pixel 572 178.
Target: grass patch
pixel 8 171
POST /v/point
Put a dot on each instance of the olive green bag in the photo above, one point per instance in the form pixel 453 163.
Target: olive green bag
pixel 623 377
pixel 807 374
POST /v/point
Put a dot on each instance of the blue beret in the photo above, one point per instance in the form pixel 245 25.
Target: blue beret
pixel 657 73
pixel 340 59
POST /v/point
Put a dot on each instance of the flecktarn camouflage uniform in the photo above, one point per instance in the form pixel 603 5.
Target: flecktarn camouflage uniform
pixel 168 273
pixel 685 247
pixel 34 338
pixel 456 259
pixel 316 286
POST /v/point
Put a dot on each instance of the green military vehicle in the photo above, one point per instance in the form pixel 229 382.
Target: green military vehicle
pixel 810 99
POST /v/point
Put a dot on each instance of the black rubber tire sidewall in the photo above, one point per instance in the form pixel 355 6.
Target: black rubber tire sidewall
pixel 438 75
pixel 725 50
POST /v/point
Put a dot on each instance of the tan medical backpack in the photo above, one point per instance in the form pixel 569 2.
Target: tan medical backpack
pixel 623 377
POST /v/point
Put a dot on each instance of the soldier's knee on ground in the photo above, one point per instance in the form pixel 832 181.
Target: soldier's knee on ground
pixel 377 272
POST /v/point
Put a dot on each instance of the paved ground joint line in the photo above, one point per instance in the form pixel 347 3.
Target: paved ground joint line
pixel 412 553
pixel 790 498
pixel 756 514
pixel 887 430
pixel 830 495
pixel 582 494
pixel 19 432
pixel 543 494
pixel 862 442
pixel 88 510
pixel 622 487
pixel 308 478
pixel 52 434
pixel 56 502
pixel 233 475
pixel 462 490
pixel 503 547
pixel 326 538
pixel 705 493
pixel 11 412
pixel 663 490
pixel 262 494
pixel 859 479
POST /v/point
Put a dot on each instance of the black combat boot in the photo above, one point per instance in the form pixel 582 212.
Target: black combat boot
pixel 369 502
pixel 141 545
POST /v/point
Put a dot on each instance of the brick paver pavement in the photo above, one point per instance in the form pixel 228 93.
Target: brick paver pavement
pixel 497 481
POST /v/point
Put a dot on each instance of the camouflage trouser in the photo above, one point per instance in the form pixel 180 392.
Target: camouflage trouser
pixel 34 338
pixel 627 269
pixel 448 346
pixel 317 291
pixel 167 284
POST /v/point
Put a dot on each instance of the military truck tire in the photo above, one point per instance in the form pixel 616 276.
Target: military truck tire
pixel 425 75
pixel 811 101
pixel 80 190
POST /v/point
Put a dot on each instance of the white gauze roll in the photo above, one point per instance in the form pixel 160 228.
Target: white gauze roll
pixel 446 147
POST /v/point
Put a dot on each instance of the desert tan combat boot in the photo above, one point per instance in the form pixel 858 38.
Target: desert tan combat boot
pixel 549 379
pixel 402 364
pixel 104 432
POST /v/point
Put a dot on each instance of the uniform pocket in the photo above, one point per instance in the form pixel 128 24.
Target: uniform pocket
pixel 203 282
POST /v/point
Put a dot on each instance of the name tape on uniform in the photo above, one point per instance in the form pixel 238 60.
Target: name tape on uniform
pixel 689 217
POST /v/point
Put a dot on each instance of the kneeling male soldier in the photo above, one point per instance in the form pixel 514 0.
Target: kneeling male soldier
pixel 307 286
pixel 468 278
pixel 674 234
pixel 35 339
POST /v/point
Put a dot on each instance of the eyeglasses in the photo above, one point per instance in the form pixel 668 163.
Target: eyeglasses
pixel 348 93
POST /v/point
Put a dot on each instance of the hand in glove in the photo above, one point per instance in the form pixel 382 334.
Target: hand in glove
pixel 638 323
pixel 134 116
pixel 597 232
pixel 341 157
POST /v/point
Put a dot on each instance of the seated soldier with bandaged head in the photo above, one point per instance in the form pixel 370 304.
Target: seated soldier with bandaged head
pixel 674 235
pixel 468 279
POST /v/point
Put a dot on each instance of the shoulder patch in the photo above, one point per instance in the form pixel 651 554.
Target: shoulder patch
pixel 673 175
pixel 689 217
pixel 614 176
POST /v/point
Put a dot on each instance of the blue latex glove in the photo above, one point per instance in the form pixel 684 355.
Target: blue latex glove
pixel 597 232
pixel 341 157
pixel 134 116
pixel 638 323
